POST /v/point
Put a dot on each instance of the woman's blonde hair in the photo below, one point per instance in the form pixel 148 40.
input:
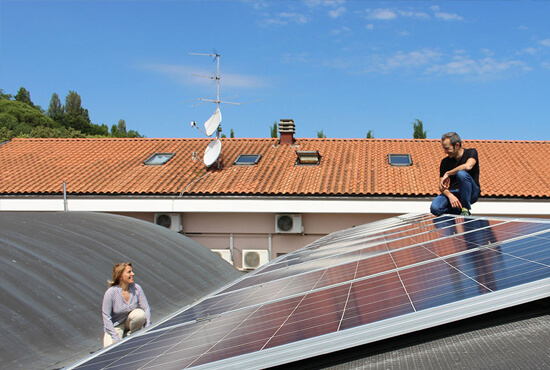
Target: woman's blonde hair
pixel 118 269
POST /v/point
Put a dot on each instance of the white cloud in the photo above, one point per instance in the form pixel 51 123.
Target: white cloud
pixel 283 18
pixel 411 14
pixel 448 16
pixel 335 13
pixel 190 76
pixel 464 65
pixel 531 51
pixel 296 58
pixel 412 59
pixel 340 31
pixel 545 65
pixel 545 42
pixel 294 17
pixel 369 26
pixel 381 14
pixel 315 3
pixel 445 16
pixel 258 4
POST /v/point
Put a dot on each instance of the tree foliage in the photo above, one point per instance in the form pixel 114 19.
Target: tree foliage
pixel 321 135
pixel 20 117
pixel 24 96
pixel 5 96
pixel 370 134
pixel 55 110
pixel 273 129
pixel 418 128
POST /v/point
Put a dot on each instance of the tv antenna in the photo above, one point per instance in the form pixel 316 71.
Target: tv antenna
pixel 212 125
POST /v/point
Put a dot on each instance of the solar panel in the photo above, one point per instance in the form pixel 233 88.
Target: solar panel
pixel 350 288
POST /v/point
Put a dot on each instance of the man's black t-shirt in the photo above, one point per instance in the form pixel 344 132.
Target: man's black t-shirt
pixel 448 164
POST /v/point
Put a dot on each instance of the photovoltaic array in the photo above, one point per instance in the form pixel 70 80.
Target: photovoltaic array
pixel 350 288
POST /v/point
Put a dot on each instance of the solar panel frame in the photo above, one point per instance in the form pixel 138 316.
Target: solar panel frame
pixel 458 253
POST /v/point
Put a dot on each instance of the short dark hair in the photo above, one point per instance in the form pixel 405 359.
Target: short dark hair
pixel 453 136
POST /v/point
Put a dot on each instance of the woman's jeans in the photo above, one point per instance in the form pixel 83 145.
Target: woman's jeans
pixel 468 192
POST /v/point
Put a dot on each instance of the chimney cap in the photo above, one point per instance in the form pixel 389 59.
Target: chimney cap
pixel 287 128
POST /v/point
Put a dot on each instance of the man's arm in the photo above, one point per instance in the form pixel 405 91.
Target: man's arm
pixel 446 179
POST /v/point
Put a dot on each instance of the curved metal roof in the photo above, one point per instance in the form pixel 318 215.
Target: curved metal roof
pixel 54 269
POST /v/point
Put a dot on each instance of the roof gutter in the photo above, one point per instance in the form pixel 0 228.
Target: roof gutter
pixel 494 207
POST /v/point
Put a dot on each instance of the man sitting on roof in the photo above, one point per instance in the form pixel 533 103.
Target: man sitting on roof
pixel 459 178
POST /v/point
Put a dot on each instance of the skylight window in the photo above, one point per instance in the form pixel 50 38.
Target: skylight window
pixel 400 159
pixel 248 159
pixel 308 157
pixel 158 159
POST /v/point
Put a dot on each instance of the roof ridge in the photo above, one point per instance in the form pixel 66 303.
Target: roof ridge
pixel 272 139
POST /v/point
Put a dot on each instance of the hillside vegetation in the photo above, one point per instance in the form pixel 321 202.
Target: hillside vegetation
pixel 20 117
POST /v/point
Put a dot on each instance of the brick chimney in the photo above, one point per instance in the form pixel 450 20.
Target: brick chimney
pixel 287 128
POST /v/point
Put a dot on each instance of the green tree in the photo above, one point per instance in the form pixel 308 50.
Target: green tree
pixel 4 96
pixel 98 130
pixel 133 133
pixel 6 134
pixel 418 127
pixel 76 117
pixel 55 110
pixel 18 118
pixel 45 132
pixel 321 135
pixel 370 134
pixel 24 96
pixel 231 134
pixel 274 129
pixel 121 126
pixel 119 130
pixel 23 114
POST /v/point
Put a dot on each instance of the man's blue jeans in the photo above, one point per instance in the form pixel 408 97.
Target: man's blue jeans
pixel 467 192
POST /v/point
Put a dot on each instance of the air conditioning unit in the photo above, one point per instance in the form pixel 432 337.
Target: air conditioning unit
pixel 170 221
pixel 224 253
pixel 254 258
pixel 290 224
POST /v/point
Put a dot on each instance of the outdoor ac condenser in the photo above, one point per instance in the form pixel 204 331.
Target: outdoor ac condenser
pixel 254 258
pixel 170 221
pixel 288 223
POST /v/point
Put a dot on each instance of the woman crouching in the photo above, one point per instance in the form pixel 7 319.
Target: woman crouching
pixel 125 308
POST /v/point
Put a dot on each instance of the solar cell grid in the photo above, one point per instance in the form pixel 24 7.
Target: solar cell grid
pixel 375 274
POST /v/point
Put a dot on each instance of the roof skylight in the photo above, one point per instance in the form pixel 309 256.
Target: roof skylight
pixel 308 157
pixel 158 159
pixel 248 159
pixel 400 159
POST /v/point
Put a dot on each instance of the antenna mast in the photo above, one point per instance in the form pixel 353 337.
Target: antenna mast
pixel 217 78
pixel 212 125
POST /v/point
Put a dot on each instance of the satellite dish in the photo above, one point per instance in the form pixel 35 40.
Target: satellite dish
pixel 213 122
pixel 212 152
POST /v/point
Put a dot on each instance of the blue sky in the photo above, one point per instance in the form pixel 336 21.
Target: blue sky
pixel 481 68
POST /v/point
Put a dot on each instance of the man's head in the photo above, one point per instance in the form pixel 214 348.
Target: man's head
pixel 452 144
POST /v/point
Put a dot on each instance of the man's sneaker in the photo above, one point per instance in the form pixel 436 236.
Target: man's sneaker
pixel 465 212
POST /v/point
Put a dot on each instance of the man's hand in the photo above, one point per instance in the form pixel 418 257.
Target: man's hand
pixel 455 203
pixel 445 181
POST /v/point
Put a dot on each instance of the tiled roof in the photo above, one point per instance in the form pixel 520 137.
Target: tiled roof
pixel 348 167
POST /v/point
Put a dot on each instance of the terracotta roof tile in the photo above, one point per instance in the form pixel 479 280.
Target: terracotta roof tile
pixel 348 167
